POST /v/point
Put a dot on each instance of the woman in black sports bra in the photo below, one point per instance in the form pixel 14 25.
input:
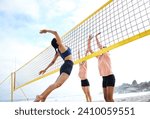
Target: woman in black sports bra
pixel 66 68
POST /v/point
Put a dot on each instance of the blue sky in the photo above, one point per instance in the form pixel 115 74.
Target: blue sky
pixel 21 20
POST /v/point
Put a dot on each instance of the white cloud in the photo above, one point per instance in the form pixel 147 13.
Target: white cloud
pixel 66 5
pixel 85 9
pixel 27 7
pixel 60 8
pixel 14 54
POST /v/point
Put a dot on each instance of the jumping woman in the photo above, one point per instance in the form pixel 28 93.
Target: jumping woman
pixel 65 70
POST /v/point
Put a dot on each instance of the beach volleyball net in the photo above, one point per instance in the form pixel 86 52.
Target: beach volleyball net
pixel 5 85
pixel 119 21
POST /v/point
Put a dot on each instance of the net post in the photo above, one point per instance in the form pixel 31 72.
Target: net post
pixel 12 86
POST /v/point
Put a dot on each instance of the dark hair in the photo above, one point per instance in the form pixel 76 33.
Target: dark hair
pixel 54 43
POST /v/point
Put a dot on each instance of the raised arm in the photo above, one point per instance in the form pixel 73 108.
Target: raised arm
pixel 89 44
pixel 97 41
pixel 86 52
pixel 51 63
pixel 79 57
pixel 78 54
pixel 58 39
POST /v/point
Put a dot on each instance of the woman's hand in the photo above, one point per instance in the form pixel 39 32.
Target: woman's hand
pixel 43 31
pixel 42 72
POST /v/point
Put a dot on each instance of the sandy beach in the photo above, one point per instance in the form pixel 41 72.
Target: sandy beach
pixel 127 97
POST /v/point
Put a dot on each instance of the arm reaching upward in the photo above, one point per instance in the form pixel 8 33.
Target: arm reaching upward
pixel 86 52
pixel 52 62
pixel 88 47
pixel 58 39
pixel 89 44
pixel 97 41
pixel 78 54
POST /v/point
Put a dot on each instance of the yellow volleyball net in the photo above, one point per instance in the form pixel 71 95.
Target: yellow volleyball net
pixel 6 85
pixel 119 21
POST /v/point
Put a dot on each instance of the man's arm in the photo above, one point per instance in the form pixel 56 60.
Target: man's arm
pixel 78 54
pixel 86 52
pixel 89 44
pixel 97 41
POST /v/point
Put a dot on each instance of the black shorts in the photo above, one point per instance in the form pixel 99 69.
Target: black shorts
pixel 108 81
pixel 85 82
pixel 66 67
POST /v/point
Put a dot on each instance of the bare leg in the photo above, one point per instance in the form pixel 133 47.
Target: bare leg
pixel 105 93
pixel 84 90
pixel 87 93
pixel 110 91
pixel 60 80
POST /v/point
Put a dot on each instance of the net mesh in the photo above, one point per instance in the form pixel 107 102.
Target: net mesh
pixel 117 20
pixel 5 85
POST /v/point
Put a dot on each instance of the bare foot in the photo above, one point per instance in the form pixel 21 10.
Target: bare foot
pixel 39 98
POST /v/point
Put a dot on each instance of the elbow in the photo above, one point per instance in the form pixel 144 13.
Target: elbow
pixel 55 32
